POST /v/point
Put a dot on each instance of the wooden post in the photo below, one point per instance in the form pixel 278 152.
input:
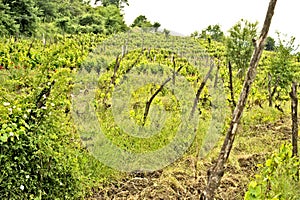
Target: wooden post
pixel 199 91
pixel 217 75
pixel 294 107
pixel 232 101
pixel 270 90
pixel 216 173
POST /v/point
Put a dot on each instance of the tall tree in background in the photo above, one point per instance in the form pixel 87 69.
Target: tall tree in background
pixel 8 25
pixel 48 10
pixel 71 8
pixel 213 32
pixel 142 22
pixel 27 17
pixel 156 25
pixel 118 3
pixel 239 45
pixel 113 20
pixel 270 44
pixel 195 34
pixel 24 13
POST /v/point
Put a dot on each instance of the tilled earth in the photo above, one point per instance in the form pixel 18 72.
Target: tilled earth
pixel 183 181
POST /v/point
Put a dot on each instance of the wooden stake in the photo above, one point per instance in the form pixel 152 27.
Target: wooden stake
pixel 216 173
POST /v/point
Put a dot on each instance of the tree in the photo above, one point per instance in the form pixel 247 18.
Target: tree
pixel 113 20
pixel 142 22
pixel 166 32
pixel 213 32
pixel 239 45
pixel 118 3
pixel 281 69
pixel 63 23
pixel 24 13
pixel 8 25
pixel 156 25
pixel 106 20
pixel 195 34
pixel 216 173
pixel 48 10
pixel 270 44
pixel 71 8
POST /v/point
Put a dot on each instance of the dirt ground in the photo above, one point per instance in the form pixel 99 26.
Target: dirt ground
pixel 182 180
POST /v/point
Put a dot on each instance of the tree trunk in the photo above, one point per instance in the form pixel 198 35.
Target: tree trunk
pixel 114 76
pixel 270 90
pixel 217 75
pixel 216 173
pixel 203 83
pixel 232 101
pixel 148 103
pixel 294 106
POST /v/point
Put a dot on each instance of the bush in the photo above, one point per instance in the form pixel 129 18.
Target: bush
pixel 278 177
pixel 40 152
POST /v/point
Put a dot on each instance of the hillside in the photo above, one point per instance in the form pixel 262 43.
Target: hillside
pixel 93 109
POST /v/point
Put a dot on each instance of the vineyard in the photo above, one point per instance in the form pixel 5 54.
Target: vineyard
pixel 164 104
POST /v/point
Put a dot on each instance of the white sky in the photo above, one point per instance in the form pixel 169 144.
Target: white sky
pixel 187 16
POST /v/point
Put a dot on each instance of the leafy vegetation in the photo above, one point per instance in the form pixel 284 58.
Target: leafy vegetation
pixel 35 17
pixel 278 177
pixel 41 154
pixel 46 154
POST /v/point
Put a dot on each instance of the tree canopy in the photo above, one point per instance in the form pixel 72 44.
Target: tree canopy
pixel 213 32
pixel 118 3
pixel 30 17
pixel 240 44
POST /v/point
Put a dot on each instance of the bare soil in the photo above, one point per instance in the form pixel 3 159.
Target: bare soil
pixel 182 180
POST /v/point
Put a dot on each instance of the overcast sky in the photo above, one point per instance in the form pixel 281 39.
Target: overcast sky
pixel 187 16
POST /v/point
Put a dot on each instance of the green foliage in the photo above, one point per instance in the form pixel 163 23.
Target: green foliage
pixel 142 22
pixel 270 44
pixel 32 17
pixel 262 116
pixel 281 68
pixel 118 3
pixel 239 44
pixel 106 20
pixel 7 23
pixel 277 178
pixel 166 99
pixel 213 32
pixel 39 148
pixel 19 16
pixel 156 25
pixel 113 19
pixel 48 10
pixel 40 152
pixel 35 162
pixel 142 57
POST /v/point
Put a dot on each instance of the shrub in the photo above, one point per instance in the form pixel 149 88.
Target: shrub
pixel 277 178
pixel 40 152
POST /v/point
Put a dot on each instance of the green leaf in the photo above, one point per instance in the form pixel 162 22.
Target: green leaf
pixel 4 137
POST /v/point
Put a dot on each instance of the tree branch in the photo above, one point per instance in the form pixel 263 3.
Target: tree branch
pixel 148 104
pixel 199 91
pixel 232 101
